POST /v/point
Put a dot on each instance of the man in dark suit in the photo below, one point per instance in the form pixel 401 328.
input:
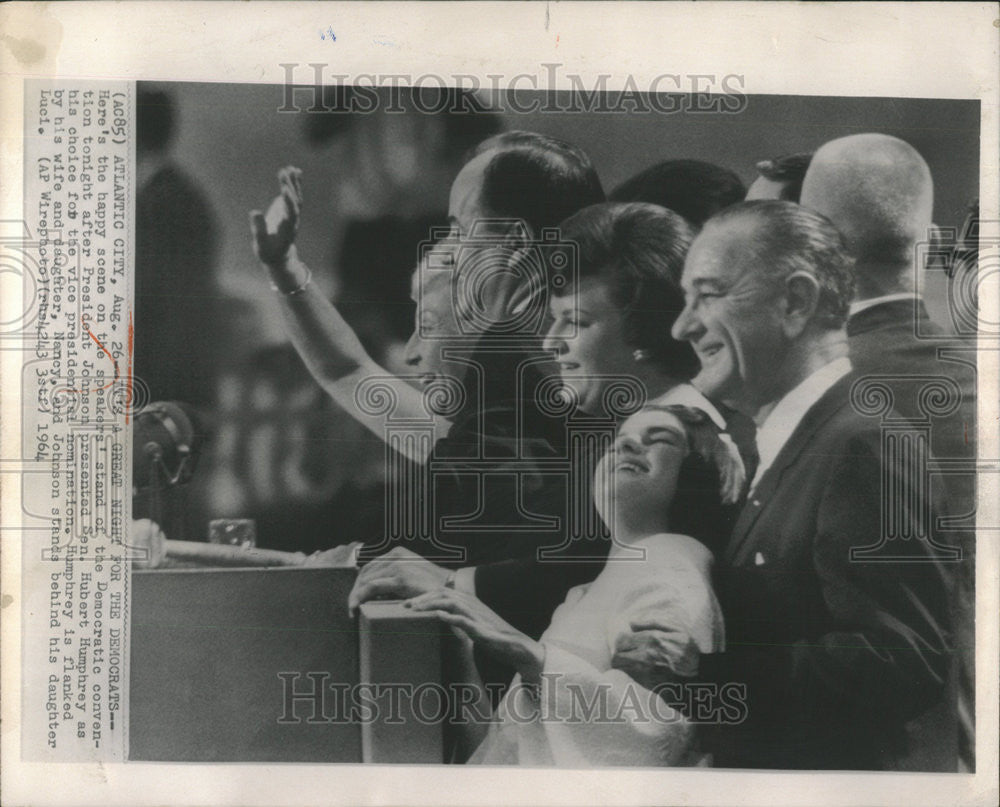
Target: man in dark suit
pixel 837 645
pixel 877 190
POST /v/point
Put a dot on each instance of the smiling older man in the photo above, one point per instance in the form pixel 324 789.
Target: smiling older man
pixel 836 652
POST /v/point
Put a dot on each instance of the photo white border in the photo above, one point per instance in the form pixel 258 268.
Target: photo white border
pixel 929 50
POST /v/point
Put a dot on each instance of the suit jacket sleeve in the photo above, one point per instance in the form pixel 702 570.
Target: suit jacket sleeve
pixel 882 653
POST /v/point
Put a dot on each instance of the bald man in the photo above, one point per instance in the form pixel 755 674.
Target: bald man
pixel 879 193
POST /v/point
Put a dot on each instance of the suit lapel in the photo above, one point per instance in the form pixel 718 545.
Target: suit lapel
pixel 832 401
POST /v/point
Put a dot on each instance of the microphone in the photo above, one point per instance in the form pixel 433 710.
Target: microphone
pixel 167 440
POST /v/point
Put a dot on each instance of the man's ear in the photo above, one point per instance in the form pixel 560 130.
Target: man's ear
pixel 518 244
pixel 800 304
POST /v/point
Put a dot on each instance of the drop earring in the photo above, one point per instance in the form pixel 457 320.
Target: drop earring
pixel 640 355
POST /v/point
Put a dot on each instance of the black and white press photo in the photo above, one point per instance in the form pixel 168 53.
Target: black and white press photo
pixel 466 403
pixel 603 394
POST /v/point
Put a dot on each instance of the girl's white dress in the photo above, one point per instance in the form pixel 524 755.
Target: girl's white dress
pixel 587 714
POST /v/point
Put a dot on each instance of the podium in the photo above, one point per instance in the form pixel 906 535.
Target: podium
pixel 266 665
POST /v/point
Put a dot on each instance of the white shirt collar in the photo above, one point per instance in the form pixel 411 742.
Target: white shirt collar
pixel 778 426
pixel 862 305
pixel 687 395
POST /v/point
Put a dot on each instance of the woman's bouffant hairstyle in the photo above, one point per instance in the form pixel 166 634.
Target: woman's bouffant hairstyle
pixel 638 250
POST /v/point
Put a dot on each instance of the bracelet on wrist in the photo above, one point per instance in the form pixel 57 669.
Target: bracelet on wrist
pixel 298 289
